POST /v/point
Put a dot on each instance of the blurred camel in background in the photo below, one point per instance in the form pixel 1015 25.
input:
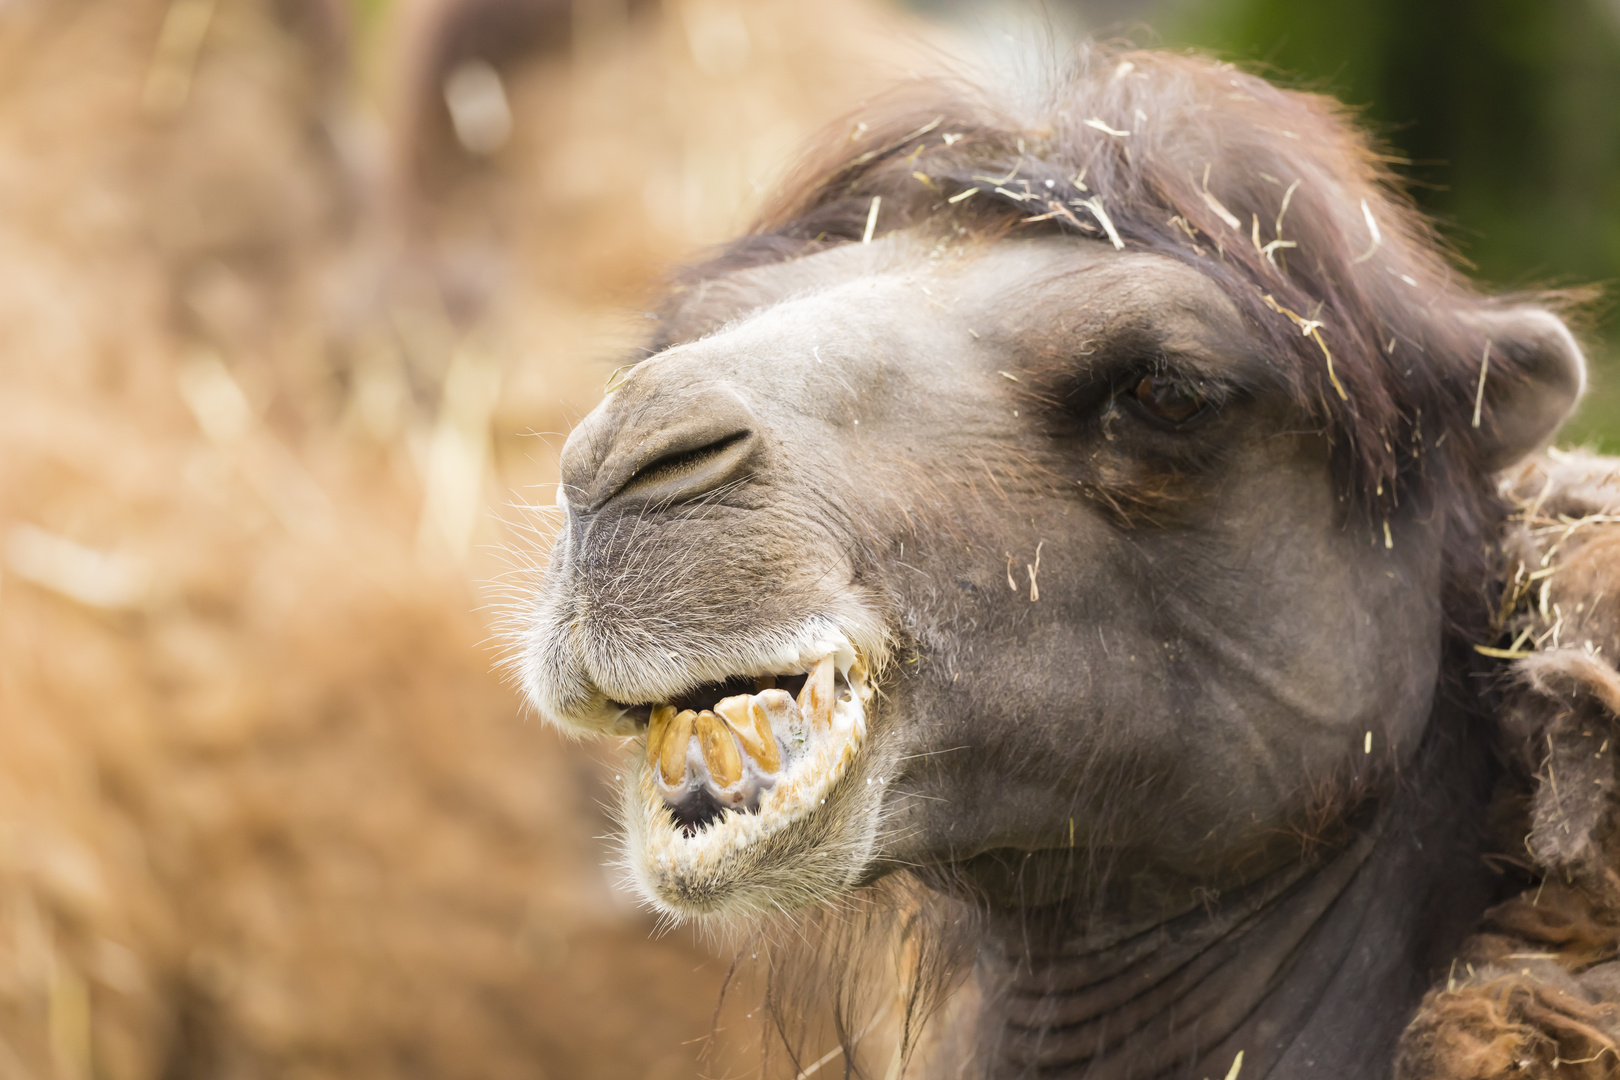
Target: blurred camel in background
pixel 270 352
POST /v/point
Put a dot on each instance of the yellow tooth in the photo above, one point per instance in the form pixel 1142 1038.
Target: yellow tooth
pixel 858 673
pixel 657 728
pixel 733 710
pixel 759 739
pixel 816 699
pixel 747 719
pixel 720 752
pixel 781 713
pixel 672 754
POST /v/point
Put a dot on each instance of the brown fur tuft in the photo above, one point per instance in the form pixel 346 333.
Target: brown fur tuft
pixel 1536 992
pixel 1510 1027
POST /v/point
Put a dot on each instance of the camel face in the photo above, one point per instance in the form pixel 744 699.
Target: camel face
pixel 1079 495
pixel 918 550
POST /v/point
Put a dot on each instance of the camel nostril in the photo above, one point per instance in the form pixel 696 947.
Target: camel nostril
pixel 689 472
pixel 660 440
pixel 680 470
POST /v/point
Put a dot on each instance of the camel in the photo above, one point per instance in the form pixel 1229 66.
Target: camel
pixel 1081 498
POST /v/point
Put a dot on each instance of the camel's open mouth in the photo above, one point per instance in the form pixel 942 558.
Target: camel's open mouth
pixel 727 746
pixel 730 763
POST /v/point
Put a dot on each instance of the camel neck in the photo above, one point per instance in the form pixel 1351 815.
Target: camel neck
pixel 1310 972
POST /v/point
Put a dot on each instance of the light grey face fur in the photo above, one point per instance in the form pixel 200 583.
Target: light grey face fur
pixel 1087 626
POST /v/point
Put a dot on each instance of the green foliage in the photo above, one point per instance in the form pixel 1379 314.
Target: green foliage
pixel 369 14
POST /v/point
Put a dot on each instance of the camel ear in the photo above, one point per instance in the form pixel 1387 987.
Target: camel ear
pixel 1535 376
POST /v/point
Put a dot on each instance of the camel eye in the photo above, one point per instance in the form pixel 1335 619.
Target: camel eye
pixel 1171 401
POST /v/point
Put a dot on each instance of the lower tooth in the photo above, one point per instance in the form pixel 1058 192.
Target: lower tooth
pixel 760 738
pixel 782 716
pixel 657 729
pixel 816 698
pixel 672 752
pixel 857 677
pixel 752 727
pixel 720 752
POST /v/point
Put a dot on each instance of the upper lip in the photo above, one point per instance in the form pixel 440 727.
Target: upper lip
pixel 669 673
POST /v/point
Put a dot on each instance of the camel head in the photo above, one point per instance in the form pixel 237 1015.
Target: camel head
pixel 1088 482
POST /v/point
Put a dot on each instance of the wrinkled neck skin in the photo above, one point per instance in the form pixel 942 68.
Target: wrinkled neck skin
pixel 1311 971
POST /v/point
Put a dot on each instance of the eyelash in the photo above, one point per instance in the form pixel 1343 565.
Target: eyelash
pixel 1167 399
pixel 1113 392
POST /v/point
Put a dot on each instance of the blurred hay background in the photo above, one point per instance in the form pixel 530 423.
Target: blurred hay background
pixel 294 296
pixel 275 328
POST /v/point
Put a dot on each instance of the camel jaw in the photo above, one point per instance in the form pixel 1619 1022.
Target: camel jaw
pixel 727 808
